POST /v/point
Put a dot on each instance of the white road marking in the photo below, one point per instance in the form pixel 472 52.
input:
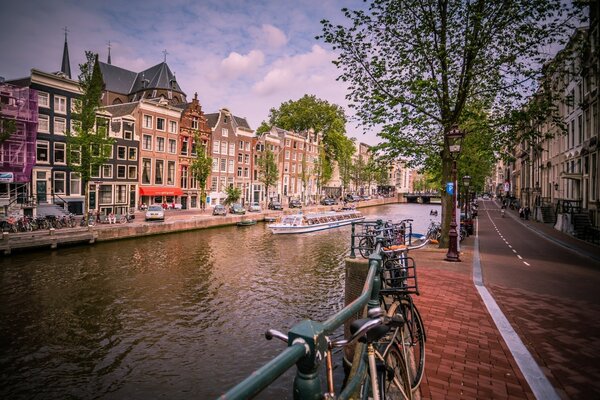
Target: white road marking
pixel 519 257
pixel 526 263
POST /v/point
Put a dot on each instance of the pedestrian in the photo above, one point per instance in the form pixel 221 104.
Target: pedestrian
pixel 526 212
pixel 521 213
pixel 111 218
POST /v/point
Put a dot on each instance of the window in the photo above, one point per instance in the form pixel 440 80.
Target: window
pixel 108 150
pixel 60 126
pixel 75 185
pixel 294 156
pixel 241 145
pixel 75 105
pixel 171 172
pixel 121 172
pixel 43 99
pixel 172 146
pixel 105 194
pixel 215 165
pixel 42 151
pixel 223 165
pixel 246 158
pixel 184 175
pixel 240 157
pixel 159 170
pixel 230 166
pixel 121 194
pixel 75 126
pixel 225 132
pixel 216 146
pixel 232 149
pixel 213 184
pixel 223 184
pixel 287 154
pixel 247 146
pixel 224 148
pixel 184 146
pixel 148 121
pixel 60 153
pixel 287 142
pixel 132 153
pixel 132 172
pixel 60 104
pixel 146 170
pixel 194 122
pixel 239 172
pixel 246 172
pixel 95 171
pixel 43 123
pixel 293 168
pixel 160 144
pixel 193 182
pixel 147 142
pixel 59 182
pixel 160 124
pixel 107 171
pixel 121 152
pixel 128 135
pixel 194 148
pixel 172 126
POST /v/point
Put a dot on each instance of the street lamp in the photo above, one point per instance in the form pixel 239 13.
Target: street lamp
pixel 454 138
pixel 466 181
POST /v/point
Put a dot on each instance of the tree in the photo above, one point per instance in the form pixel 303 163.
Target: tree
pixel 413 67
pixel 312 114
pixel 323 171
pixel 88 143
pixel 233 195
pixel 7 127
pixel 201 167
pixel 268 173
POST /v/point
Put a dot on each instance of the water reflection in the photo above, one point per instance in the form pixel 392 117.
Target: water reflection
pixel 175 316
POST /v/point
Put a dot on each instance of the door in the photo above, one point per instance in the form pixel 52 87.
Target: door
pixel 40 189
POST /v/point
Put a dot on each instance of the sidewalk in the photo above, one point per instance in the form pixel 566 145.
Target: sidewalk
pixel 466 357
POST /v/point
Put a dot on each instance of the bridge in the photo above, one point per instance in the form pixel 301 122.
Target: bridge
pixel 422 197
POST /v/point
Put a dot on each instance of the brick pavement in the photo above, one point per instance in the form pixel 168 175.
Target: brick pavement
pixel 466 357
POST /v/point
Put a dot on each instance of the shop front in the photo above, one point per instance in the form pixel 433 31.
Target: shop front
pixel 160 195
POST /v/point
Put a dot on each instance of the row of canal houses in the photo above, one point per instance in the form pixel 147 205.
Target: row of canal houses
pixel 157 134
pixel 557 174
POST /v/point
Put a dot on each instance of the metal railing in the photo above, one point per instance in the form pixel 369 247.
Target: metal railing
pixel 307 342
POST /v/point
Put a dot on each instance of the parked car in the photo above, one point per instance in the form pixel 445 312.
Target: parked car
pixel 236 208
pixel 365 197
pixel 351 198
pixel 254 207
pixel 295 204
pixel 275 205
pixel 327 201
pixel 155 213
pixel 219 210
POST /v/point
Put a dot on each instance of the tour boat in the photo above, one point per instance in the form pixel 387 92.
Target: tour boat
pixel 302 223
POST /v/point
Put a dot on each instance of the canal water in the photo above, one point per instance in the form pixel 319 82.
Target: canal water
pixel 178 316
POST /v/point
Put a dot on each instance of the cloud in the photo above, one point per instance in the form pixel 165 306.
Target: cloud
pixel 273 36
pixel 237 64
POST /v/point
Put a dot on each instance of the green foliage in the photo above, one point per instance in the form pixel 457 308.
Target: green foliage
pixel 311 113
pixel 201 167
pixel 268 173
pixel 88 143
pixel 233 195
pixel 7 127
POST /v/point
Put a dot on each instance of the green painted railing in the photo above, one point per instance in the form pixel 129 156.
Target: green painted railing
pixel 307 346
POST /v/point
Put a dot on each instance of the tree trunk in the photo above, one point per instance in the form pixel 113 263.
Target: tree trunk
pixel 447 202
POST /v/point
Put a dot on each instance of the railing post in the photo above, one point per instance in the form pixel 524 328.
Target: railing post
pixel 375 260
pixel 352 253
pixel 307 383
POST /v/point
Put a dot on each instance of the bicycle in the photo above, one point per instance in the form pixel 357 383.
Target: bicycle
pixel 399 282
pixel 387 376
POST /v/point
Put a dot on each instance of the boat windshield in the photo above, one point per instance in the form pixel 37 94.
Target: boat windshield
pixel 292 220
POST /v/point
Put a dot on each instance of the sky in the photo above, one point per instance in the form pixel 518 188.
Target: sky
pixel 248 56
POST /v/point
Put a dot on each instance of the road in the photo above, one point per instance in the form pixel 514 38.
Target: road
pixel 550 295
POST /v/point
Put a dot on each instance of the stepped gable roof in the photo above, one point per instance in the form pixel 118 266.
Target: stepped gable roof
pixel 116 79
pixel 121 109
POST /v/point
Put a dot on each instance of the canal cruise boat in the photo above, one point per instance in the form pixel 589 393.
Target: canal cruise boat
pixel 303 223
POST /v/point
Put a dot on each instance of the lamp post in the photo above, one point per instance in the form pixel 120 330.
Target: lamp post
pixel 454 138
pixel 466 182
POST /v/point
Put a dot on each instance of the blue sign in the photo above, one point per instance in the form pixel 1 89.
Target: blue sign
pixel 450 187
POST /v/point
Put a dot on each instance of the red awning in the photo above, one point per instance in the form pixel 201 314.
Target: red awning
pixel 159 191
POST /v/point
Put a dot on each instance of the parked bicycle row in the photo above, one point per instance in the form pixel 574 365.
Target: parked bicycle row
pixel 30 224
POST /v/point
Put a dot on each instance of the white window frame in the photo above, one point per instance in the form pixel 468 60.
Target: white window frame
pixel 75 178
pixel 215 164
pixel 128 135
pixel 135 152
pixel 144 147
pixel 172 126
pixel 224 132
pixel 124 152
pixel 131 168
pixel 147 118
pixel 64 180
pixel 223 165
pixel 216 147
pixel 55 148
pixel 230 168
pixel 149 170
pixel 232 149
pixel 124 169
pixel 96 171
pixel 224 148
pixel 47 146
pixel 43 103
pixel 164 124
pixel 107 168
pixel 58 122
pixel 45 128
pixel 60 104
pixel 160 139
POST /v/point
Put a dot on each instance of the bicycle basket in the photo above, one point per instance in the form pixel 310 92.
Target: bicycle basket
pixel 399 275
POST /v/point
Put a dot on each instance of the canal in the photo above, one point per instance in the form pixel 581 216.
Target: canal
pixel 176 316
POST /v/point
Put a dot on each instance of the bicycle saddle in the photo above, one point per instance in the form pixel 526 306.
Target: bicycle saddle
pixel 373 334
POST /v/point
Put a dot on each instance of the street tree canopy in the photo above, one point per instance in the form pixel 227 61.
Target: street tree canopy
pixel 413 67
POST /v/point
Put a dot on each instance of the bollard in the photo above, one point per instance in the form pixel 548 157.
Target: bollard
pixel 52 231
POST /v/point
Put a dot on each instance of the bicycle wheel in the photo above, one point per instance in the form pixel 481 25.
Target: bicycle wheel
pixel 392 377
pixel 365 246
pixel 413 335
